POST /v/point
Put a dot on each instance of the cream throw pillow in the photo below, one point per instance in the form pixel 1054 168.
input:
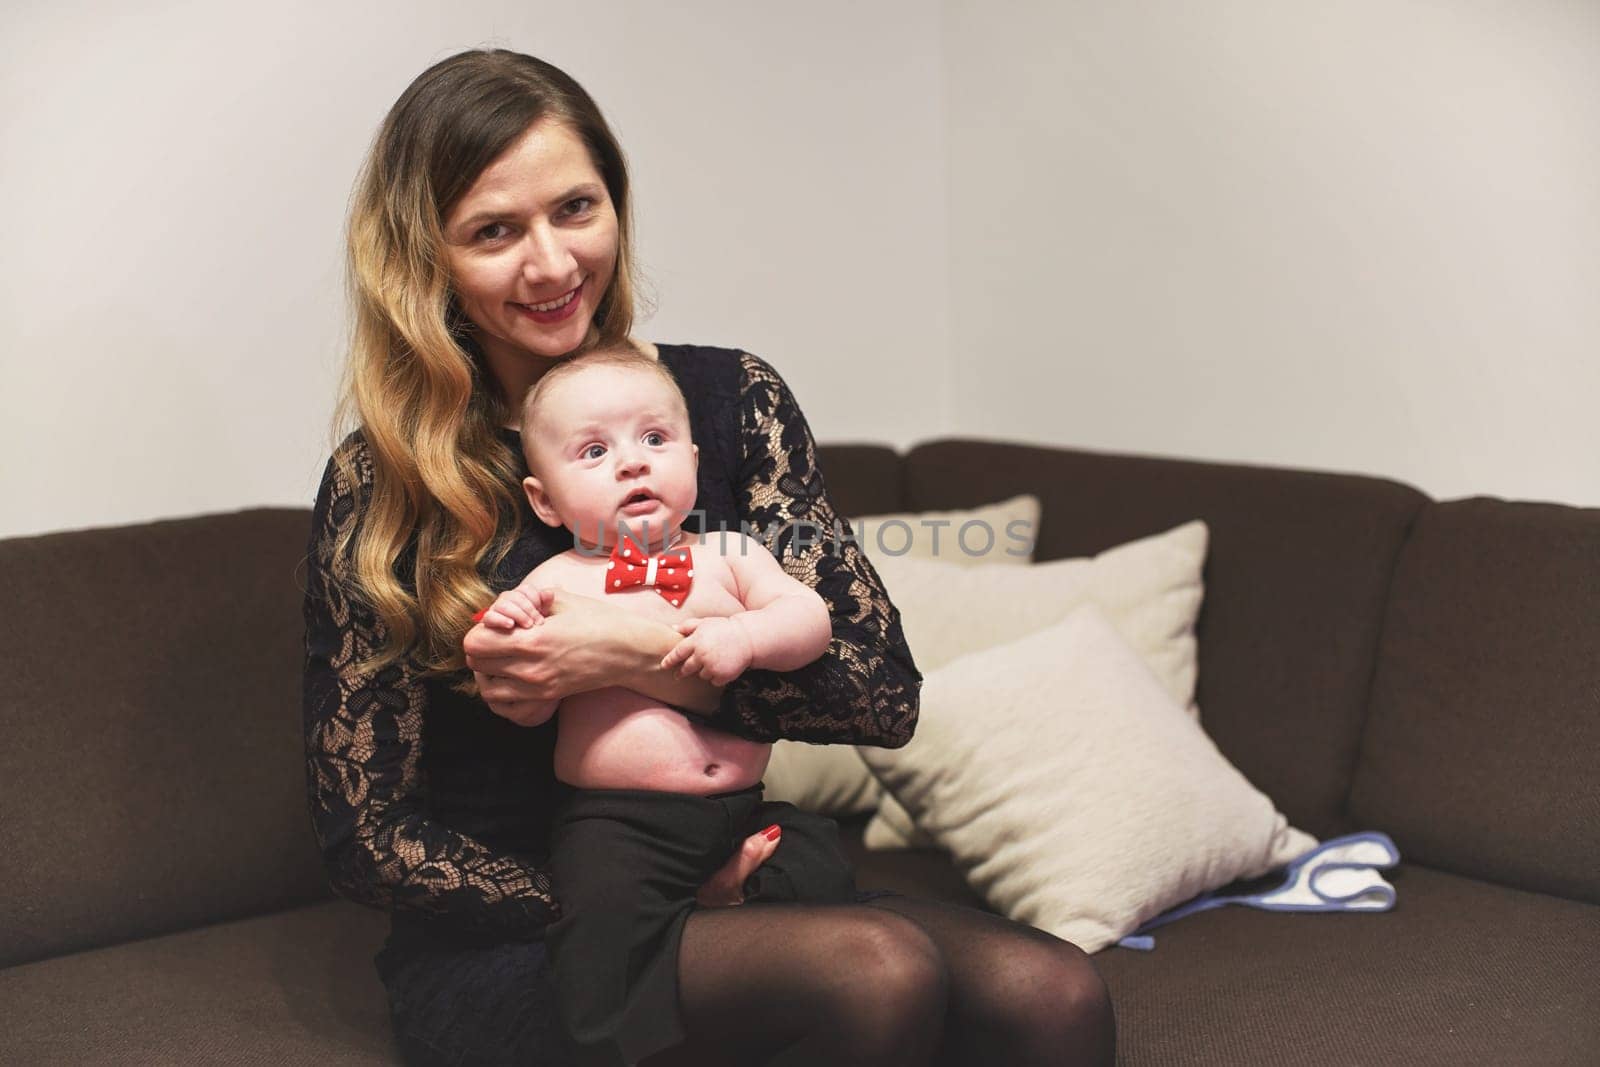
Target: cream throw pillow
pixel 1149 589
pixel 1003 532
pixel 831 779
pixel 1071 789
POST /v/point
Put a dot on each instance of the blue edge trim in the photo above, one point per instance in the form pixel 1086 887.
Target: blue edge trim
pixel 1141 941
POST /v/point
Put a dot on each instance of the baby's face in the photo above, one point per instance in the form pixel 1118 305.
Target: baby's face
pixel 610 454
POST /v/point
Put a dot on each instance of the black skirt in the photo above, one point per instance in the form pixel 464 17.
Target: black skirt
pixel 625 865
pixel 602 988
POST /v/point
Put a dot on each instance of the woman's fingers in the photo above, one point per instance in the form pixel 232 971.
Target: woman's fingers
pixel 726 887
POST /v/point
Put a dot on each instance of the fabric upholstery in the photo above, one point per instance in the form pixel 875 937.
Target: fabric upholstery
pixel 1297 572
pixel 297 987
pixel 151 775
pixel 1461 972
pixel 861 479
pixel 1482 755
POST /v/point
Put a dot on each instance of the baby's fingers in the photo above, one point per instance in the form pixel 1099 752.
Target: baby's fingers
pixel 676 655
pixel 691 664
pixel 498 620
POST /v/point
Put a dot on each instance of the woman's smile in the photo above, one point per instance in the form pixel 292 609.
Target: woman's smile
pixel 555 310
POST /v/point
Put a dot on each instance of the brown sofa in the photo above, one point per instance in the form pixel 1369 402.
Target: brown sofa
pixel 1369 658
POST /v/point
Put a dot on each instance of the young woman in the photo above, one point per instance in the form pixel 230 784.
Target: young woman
pixel 489 237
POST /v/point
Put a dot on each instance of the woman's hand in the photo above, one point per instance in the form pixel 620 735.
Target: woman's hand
pixel 726 887
pixel 582 644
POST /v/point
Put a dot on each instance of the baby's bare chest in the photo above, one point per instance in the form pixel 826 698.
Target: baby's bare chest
pixel 712 589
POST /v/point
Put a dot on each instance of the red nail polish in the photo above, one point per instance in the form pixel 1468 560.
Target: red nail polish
pixel 479 616
pixel 772 832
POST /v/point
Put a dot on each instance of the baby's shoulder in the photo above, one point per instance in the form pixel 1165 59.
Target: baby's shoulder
pixel 733 543
pixel 559 566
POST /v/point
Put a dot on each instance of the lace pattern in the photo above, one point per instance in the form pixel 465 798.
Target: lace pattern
pixel 865 688
pixel 363 736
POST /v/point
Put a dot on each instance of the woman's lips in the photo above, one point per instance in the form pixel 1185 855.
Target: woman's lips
pixel 554 315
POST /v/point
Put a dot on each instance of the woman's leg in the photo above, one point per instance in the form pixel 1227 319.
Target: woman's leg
pixel 1017 995
pixel 807 984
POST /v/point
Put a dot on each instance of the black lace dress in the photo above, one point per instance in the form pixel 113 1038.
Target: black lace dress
pixel 427 804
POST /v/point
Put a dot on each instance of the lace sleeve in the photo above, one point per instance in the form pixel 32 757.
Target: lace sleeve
pixel 864 689
pixel 363 739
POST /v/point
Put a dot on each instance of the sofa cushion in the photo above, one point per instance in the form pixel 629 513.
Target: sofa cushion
pixel 1460 972
pixel 152 775
pixel 1297 573
pixel 295 987
pixel 1480 756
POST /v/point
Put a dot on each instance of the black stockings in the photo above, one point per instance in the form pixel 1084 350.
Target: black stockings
pixel 897 980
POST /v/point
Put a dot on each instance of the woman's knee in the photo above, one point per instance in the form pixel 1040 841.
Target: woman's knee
pixel 1057 996
pixel 888 965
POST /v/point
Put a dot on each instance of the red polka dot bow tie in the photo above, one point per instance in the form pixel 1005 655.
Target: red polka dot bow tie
pixel 670 572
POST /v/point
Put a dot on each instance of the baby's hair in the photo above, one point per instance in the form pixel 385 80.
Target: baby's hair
pixel 609 356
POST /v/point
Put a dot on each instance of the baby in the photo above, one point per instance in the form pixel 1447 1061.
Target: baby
pixel 661 800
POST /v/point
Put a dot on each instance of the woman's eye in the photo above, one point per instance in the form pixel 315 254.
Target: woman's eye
pixel 579 205
pixel 654 438
pixel 594 451
pixel 486 233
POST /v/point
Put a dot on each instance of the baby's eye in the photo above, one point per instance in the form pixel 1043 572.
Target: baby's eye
pixel 655 437
pixel 594 451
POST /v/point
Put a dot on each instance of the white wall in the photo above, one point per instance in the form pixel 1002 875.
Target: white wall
pixel 171 317
pixel 1356 237
pixel 1360 236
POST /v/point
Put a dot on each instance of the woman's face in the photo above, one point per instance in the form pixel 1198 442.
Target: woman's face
pixel 531 249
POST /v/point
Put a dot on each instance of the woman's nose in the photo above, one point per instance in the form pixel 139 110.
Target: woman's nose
pixel 548 258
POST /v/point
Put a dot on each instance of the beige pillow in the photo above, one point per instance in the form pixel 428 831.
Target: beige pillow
pixel 827 779
pixel 831 779
pixel 1072 791
pixel 1149 589
pixel 1003 532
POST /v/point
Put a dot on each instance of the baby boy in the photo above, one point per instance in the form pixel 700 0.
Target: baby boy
pixel 661 800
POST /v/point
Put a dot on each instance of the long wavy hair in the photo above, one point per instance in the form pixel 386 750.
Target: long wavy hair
pixel 443 505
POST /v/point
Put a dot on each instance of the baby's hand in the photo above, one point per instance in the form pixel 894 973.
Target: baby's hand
pixel 717 649
pixel 523 606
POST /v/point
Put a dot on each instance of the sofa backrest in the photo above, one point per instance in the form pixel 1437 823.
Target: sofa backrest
pixel 1369 658
pixel 151 776
pixel 1296 578
pixel 1482 751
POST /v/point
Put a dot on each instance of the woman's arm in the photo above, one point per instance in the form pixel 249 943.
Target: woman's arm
pixel 584 644
pixel 363 736
pixel 865 688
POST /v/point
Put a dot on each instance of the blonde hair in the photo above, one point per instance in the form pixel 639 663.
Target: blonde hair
pixel 626 357
pixel 444 496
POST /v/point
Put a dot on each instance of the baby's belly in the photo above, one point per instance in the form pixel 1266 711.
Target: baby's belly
pixel 618 738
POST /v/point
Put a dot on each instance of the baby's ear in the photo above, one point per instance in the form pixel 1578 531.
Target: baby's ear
pixel 694 450
pixel 540 501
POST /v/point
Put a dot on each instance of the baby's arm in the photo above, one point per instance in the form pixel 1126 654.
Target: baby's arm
pixel 785 624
